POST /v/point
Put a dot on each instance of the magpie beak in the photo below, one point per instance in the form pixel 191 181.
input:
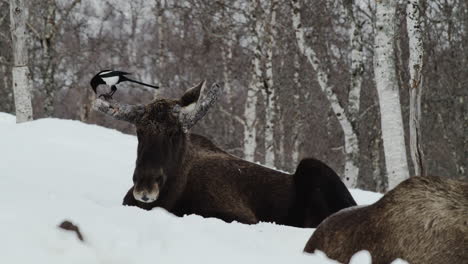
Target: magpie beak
pixel 111 78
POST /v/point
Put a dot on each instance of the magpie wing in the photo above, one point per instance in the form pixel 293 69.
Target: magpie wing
pixel 113 73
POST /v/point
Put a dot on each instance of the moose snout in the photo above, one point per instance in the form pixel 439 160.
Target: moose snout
pixel 146 195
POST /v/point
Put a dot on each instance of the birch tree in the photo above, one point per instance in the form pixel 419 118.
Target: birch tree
pixel 388 93
pixel 298 116
pixel 269 88
pixel 226 51
pixel 227 42
pixel 250 110
pixel 416 52
pixel 19 13
pixel 351 144
pixel 226 55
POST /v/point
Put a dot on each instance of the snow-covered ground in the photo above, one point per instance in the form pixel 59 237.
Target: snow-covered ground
pixel 52 170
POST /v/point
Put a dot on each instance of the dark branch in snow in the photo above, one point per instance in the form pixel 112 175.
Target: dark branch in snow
pixel 69 226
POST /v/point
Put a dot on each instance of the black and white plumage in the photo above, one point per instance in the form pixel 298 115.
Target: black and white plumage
pixel 111 78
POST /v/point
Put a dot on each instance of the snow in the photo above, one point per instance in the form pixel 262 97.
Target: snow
pixel 54 170
pixel 362 256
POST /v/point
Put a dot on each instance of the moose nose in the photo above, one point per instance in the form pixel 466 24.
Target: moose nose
pixel 144 198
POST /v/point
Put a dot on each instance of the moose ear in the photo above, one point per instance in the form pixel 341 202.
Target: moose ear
pixel 192 95
pixel 195 103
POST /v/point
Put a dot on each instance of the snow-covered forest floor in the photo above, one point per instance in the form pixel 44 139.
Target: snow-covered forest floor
pixel 52 170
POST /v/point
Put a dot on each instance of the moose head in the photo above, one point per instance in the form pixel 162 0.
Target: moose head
pixel 162 129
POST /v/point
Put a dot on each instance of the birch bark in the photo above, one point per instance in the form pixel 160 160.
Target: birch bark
pixel 19 14
pixel 298 115
pixel 416 50
pixel 351 145
pixel 269 89
pixel 388 93
pixel 226 56
pixel 250 111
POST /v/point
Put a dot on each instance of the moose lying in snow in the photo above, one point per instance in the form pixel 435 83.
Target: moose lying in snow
pixel 423 220
pixel 187 174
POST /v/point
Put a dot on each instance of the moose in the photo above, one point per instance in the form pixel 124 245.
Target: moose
pixel 422 220
pixel 186 173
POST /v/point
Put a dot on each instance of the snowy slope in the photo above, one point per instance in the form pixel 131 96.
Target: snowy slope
pixel 52 169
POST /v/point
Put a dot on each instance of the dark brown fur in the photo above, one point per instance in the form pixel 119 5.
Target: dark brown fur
pixel 196 177
pixel 423 220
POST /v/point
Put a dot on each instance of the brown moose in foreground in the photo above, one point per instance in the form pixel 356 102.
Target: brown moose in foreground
pixel 187 174
pixel 423 220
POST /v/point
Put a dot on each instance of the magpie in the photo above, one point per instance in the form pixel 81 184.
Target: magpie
pixel 111 78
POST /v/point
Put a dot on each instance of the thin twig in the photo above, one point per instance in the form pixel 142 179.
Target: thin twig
pixel 67 13
pixel 236 117
pixel 34 31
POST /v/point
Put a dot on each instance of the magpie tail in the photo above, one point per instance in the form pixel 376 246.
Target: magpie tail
pixel 145 84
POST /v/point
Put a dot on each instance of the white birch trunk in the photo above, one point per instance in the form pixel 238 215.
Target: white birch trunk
pixel 19 14
pixel 416 48
pixel 351 145
pixel 250 111
pixel 269 91
pixel 389 97
pixel 298 115
pixel 226 54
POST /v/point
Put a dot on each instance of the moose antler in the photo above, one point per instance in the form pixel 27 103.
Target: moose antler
pixel 206 99
pixel 124 112
pixel 188 116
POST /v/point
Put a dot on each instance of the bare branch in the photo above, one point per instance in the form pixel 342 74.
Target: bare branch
pixel 3 18
pixel 5 37
pixel 124 112
pixel 67 13
pixel 34 31
pixel 365 112
pixel 236 117
pixel 3 61
pixel 69 226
